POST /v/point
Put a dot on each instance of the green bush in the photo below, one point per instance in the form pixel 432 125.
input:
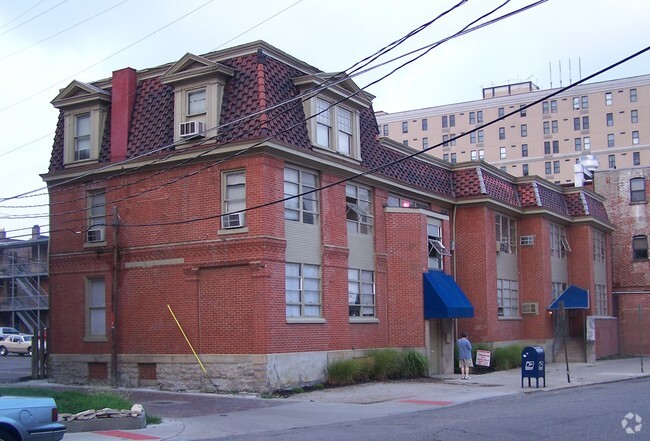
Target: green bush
pixel 378 365
pixel 342 372
pixel 412 364
pixel 507 357
pixel 386 364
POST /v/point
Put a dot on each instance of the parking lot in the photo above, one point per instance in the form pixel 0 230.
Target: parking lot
pixel 13 367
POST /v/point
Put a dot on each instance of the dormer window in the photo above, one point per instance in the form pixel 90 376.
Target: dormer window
pixel 198 92
pixel 84 108
pixel 334 114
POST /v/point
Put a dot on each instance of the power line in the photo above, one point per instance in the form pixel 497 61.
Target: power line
pixel 34 17
pixel 4 25
pixel 404 158
pixel 465 29
pixel 62 31
pixel 306 95
pixel 106 58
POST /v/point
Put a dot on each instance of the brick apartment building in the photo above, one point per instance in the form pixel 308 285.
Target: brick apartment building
pixel 608 119
pixel 205 188
pixel 626 196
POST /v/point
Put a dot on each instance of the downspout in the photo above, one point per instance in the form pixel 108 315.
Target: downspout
pixel 453 238
pixel 116 228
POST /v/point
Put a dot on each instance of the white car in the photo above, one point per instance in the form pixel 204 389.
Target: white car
pixel 17 344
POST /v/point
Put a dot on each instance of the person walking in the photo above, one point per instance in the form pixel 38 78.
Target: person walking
pixel 464 355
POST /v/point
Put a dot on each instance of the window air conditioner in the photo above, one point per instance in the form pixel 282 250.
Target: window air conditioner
pixel 191 129
pixel 235 220
pixel 95 234
pixel 530 308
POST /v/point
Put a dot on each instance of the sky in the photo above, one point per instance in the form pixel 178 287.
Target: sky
pixel 45 44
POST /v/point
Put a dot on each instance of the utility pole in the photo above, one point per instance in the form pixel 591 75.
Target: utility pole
pixel 115 292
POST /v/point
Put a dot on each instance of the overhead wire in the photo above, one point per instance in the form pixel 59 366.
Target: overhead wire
pixel 465 29
pixel 335 79
pixel 62 31
pixel 33 18
pixel 406 157
pixel 4 25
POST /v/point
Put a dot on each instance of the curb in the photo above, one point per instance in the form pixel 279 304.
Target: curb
pixel 99 424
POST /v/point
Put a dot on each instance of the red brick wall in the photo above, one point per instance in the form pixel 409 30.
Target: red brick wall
pixel 535 279
pixel 476 269
pixel 606 337
pixel 632 328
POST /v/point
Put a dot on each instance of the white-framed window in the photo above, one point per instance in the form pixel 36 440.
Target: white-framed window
pixel 502 152
pixel 96 219
pixel 501 112
pixel 553 106
pixel 506 233
pixel 546 127
pixel 405 127
pixel 479 136
pixel 359 209
pixel 481 154
pixel 303 209
pixel 479 116
pixel 610 140
pixel 557 288
pixel 601 299
pixel 425 143
pixel 196 101
pixel 452 158
pixel 95 309
pixel 472 117
pixel 634 116
pixel 336 128
pixel 303 290
pixel 636 158
pixel 361 293
pixel 545 107
pixel 234 199
pixel 635 137
pixel 586 142
pixel 524 169
pixel 522 110
pixel 585 101
pixel 559 243
pixel 524 150
pixel 599 246
pixel 435 247
pixel 633 95
pixel 576 103
pixel 82 137
pixel 507 298
pixel 608 98
pixel 502 133
pixel 473 155
pixel 524 130
pixel 556 167
pixel 472 137
pixel 547 168
pixel 554 126
pixel 609 119
pixel 425 124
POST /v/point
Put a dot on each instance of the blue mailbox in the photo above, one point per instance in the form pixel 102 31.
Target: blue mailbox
pixel 532 365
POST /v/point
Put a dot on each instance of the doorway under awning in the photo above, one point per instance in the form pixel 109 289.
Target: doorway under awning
pixel 443 298
pixel 573 298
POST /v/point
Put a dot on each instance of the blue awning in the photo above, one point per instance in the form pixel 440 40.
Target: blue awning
pixel 443 298
pixel 573 298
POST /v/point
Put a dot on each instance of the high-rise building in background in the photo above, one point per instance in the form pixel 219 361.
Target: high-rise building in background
pixel 608 119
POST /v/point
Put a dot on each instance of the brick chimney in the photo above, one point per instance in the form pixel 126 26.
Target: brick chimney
pixel 123 99
pixel 36 232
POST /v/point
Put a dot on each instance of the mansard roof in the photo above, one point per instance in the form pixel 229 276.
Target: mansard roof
pixel 261 79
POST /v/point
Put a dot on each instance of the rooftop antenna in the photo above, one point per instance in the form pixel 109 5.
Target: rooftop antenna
pixel 550 73
pixel 560 64
pixel 579 68
pixel 570 82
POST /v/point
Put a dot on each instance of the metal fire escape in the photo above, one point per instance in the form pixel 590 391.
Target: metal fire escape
pixel 24 303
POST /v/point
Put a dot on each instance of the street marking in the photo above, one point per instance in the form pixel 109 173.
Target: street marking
pixel 428 402
pixel 126 435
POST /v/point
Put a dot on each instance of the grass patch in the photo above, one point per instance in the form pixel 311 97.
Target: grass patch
pixel 377 365
pixel 70 401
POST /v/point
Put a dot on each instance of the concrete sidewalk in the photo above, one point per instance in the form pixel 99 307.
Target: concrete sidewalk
pixel 218 415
